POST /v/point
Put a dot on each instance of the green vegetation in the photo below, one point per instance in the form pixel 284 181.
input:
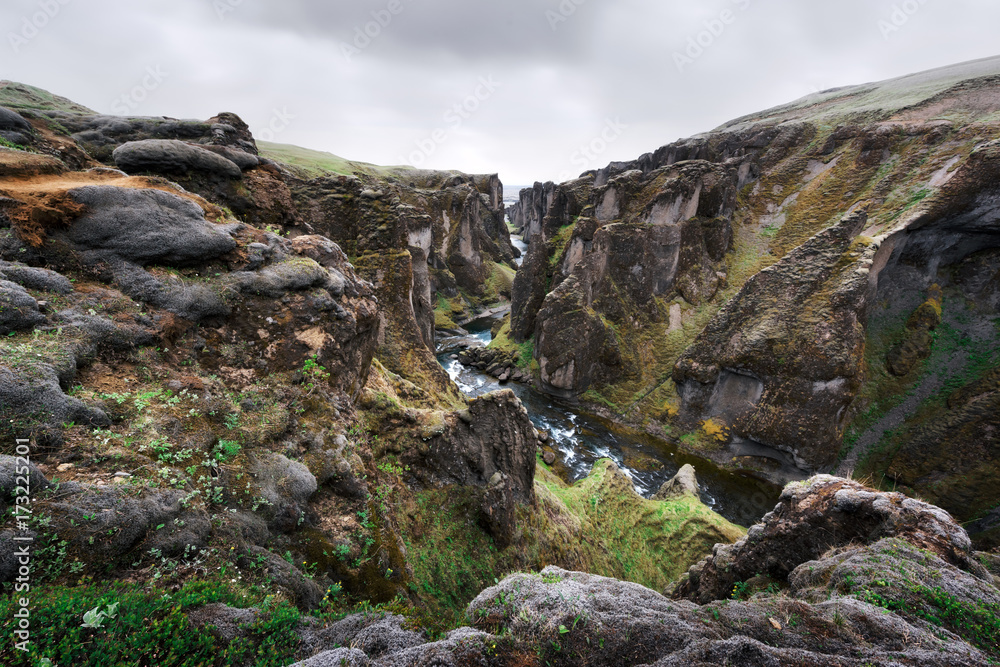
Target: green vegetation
pixel 976 622
pixel 10 144
pixel 956 361
pixel 600 524
pixel 311 163
pixel 133 626
pixel 447 310
pixel 523 352
pixel 499 283
pixel 22 96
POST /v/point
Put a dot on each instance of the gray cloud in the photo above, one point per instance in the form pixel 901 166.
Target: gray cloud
pixel 563 75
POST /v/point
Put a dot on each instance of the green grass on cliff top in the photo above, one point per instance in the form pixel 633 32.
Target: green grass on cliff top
pixel 314 164
pixel 16 95
pixel 885 96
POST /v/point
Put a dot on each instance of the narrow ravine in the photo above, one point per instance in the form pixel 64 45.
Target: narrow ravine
pixel 582 439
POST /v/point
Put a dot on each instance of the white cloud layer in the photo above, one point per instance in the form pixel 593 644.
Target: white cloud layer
pixel 379 80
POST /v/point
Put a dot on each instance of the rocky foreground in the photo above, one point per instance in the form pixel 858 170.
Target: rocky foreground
pixel 836 574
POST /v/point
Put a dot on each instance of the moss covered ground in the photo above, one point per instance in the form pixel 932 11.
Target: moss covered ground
pixel 599 525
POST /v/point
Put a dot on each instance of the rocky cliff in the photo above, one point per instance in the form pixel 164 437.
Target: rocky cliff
pixel 805 289
pixel 219 358
pixel 200 344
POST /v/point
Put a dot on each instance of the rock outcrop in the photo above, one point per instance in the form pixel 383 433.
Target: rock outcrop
pixel 195 360
pixel 761 292
pixel 865 578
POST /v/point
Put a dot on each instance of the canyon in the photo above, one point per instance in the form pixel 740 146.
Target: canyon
pixel 248 445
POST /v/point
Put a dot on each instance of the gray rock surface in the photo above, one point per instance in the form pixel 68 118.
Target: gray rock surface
pixel 286 485
pixel 34 391
pixel 684 482
pixel 240 158
pixel 291 275
pixel 303 591
pixel 340 657
pixel 11 468
pixel 144 226
pixel 11 121
pixel 105 525
pixel 18 309
pixel 375 635
pixel 43 280
pixel 495 435
pixel 224 621
pixel 815 516
pixel 168 156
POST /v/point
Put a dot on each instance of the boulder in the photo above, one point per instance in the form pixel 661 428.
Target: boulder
pixel 43 280
pixel 495 435
pixel 32 403
pixel 339 657
pixel 815 516
pixel 224 622
pixel 683 483
pixel 11 121
pixel 286 486
pixel 18 309
pixel 169 156
pixel 303 591
pixel 106 524
pixel 499 510
pixel 374 635
pixel 145 226
pixel 12 474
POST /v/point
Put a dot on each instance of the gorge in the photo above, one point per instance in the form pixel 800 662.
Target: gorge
pixel 276 410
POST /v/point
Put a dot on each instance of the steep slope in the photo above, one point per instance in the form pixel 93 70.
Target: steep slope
pixel 800 289
pixel 217 375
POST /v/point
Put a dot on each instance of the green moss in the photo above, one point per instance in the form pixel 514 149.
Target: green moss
pixel 499 282
pixel 312 163
pixel 976 622
pixel 447 310
pixel 599 525
pixel 22 96
pixel 523 351
pixel 557 244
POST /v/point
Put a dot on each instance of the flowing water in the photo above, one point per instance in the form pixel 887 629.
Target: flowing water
pixel 582 439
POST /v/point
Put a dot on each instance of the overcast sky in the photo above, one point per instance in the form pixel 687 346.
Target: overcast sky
pixel 532 89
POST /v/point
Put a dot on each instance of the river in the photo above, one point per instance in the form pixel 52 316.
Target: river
pixel 582 439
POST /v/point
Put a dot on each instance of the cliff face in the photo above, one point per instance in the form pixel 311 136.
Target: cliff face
pixel 224 363
pixel 792 291
pixel 228 357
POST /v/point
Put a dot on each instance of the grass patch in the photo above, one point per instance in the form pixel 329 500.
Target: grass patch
pixel 599 525
pixel 148 627
pixel 977 623
pixel 523 351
